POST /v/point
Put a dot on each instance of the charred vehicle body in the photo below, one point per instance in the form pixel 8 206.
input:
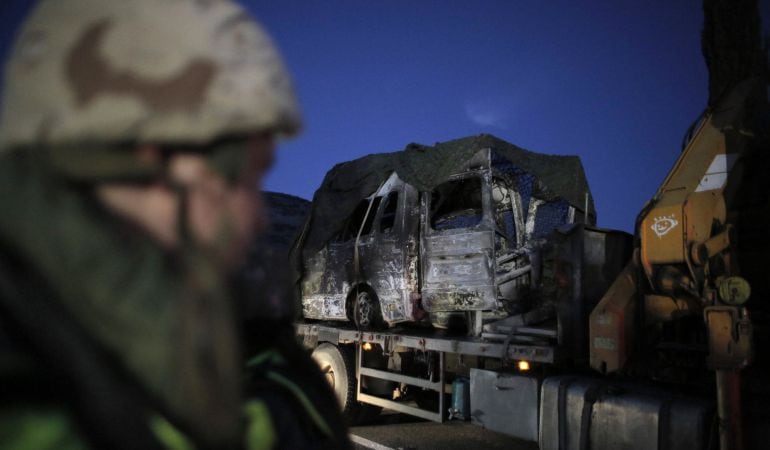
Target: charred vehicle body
pixel 398 238
pixel 588 346
pixel 675 353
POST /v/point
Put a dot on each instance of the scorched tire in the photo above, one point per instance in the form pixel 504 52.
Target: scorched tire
pixel 366 310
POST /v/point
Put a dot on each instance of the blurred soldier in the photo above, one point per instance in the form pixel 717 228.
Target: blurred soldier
pixel 133 138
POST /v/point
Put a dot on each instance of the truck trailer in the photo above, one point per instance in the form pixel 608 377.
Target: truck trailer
pixel 573 337
pixel 468 297
pixel 599 340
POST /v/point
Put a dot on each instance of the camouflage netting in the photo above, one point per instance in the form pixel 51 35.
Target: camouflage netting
pixel 424 167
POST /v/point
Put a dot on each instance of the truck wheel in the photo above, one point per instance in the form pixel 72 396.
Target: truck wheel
pixel 366 310
pixel 338 364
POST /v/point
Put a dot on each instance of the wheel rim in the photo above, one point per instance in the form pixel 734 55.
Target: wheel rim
pixel 328 374
pixel 365 309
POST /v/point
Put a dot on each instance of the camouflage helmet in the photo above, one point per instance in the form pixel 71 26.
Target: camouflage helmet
pixel 176 71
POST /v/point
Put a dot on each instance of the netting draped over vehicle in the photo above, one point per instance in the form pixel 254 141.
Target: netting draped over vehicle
pixel 424 167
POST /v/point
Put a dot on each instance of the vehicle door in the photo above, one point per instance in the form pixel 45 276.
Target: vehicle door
pixel 458 244
pixel 391 263
pixel 331 273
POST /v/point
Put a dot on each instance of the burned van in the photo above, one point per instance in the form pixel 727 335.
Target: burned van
pixel 449 233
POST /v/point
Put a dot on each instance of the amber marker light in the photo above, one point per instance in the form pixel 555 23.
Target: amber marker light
pixel 523 366
pixel 367 346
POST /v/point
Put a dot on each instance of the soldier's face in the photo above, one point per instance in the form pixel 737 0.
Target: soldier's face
pixel 224 215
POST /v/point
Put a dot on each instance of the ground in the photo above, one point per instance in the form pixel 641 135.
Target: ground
pixel 397 431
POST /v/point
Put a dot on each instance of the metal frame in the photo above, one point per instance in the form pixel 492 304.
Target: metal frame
pixel 471 346
pixel 436 386
pixel 313 334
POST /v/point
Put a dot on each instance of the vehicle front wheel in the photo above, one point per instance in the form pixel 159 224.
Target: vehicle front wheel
pixel 366 310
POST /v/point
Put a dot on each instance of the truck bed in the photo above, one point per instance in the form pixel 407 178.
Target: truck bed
pixel 427 339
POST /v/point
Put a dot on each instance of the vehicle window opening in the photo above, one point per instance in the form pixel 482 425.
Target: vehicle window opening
pixel 502 197
pixel 389 213
pixel 456 204
pixel 550 216
pixel 355 219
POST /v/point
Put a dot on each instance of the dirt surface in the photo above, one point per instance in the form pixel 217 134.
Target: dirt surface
pixel 396 431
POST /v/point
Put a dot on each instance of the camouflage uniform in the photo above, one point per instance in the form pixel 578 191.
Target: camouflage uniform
pixel 108 339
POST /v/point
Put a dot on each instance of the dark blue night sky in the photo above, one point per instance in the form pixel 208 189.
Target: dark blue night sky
pixel 614 82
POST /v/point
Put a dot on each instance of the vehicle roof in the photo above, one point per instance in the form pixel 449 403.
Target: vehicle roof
pixel 424 167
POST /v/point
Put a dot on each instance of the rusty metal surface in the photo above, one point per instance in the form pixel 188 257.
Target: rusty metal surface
pixel 612 335
pixel 730 337
pixel 387 260
pixel 459 272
